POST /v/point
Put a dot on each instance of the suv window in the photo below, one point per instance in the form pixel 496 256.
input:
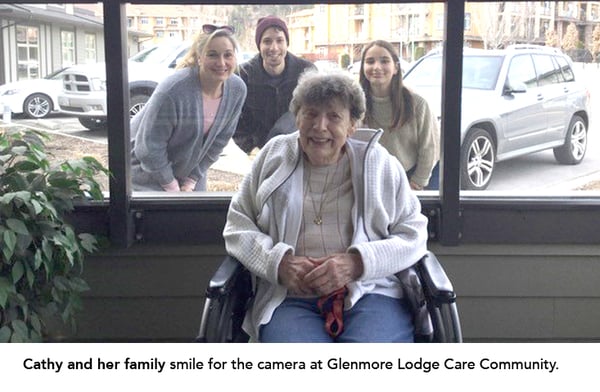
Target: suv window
pixel 547 72
pixel 428 73
pixel 521 70
pixel 481 72
pixel 567 72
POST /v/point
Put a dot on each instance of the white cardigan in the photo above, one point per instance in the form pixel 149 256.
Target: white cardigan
pixel 264 218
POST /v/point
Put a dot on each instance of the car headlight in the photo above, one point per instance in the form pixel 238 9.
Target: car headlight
pixel 98 84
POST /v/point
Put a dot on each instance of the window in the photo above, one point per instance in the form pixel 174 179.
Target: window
pixel 567 72
pixel 416 33
pixel 411 29
pixel 439 22
pixel 522 71
pixel 90 48
pixel 28 64
pixel 67 44
pixel 547 73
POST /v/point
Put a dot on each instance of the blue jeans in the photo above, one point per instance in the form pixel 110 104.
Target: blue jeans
pixel 373 319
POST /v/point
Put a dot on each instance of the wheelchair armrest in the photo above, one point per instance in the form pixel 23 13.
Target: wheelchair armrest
pixel 434 278
pixel 227 296
pixel 224 277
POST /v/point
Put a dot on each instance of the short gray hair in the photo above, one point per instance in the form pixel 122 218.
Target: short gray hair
pixel 321 87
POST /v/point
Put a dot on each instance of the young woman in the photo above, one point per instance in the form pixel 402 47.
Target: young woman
pixel 190 117
pixel 411 132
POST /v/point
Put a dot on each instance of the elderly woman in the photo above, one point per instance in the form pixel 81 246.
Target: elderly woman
pixel 190 117
pixel 323 221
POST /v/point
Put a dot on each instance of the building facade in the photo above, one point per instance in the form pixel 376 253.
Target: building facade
pixel 38 39
pixel 328 31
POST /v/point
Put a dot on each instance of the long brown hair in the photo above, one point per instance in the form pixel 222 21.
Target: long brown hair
pixel 401 97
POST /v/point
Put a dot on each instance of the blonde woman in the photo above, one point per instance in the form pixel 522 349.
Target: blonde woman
pixel 190 117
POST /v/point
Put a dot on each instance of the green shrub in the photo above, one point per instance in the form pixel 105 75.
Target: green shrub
pixel 41 255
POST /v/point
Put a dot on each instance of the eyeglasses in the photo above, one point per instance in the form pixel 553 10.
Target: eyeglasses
pixel 211 28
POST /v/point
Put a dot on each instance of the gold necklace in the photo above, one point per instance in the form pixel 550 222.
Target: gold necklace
pixel 319 215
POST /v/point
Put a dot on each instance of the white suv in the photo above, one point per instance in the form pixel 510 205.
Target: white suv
pixel 515 101
pixel 84 86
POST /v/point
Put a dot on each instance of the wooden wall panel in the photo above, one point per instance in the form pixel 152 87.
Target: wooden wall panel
pixel 505 293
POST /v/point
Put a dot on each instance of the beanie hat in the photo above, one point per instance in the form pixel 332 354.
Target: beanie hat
pixel 270 21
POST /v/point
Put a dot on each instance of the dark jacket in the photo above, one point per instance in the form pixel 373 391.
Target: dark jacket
pixel 265 103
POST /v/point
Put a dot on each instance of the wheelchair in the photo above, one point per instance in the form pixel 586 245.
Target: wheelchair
pixel 429 291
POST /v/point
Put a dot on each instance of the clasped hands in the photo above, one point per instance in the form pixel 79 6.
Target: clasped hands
pixel 187 185
pixel 311 276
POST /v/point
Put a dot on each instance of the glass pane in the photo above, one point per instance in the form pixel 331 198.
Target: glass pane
pixel 43 46
pixel 90 48
pixel 521 70
pixel 68 48
pixel 531 131
pixel 327 35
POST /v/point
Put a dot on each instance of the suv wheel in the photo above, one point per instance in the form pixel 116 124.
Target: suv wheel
pixel 37 106
pixel 137 102
pixel 93 123
pixel 573 151
pixel 477 160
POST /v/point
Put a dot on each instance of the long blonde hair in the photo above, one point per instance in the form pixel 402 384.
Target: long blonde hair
pixel 198 48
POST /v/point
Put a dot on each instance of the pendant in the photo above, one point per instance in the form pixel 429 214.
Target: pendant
pixel 318 220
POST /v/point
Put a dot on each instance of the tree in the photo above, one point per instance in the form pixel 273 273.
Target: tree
pixel 552 39
pixel 596 42
pixel 571 38
pixel 41 258
pixel 245 16
pixel 504 23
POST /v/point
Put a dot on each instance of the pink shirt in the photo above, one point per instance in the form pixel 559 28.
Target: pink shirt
pixel 210 111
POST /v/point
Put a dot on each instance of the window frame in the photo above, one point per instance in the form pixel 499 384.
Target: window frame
pixel 28 46
pixel 67 48
pixel 455 217
pixel 91 47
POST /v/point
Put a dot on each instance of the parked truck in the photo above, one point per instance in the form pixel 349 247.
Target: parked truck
pixel 84 86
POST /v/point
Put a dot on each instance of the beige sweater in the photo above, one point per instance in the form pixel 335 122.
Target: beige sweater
pixel 416 144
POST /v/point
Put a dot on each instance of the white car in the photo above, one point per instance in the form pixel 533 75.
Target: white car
pixel 36 98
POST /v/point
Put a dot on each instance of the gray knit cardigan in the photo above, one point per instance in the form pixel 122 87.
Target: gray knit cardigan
pixel 168 138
